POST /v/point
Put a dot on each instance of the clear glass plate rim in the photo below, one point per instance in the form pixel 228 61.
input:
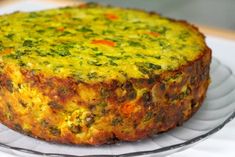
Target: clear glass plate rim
pixel 159 150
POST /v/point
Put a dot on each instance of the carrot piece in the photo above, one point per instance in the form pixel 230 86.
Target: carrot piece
pixel 104 42
pixel 111 16
pixel 155 34
pixel 61 29
pixel 128 108
pixel 7 51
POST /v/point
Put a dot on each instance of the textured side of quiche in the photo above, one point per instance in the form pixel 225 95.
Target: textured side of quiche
pixel 93 74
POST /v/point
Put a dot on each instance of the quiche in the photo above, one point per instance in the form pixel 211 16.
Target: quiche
pixel 94 74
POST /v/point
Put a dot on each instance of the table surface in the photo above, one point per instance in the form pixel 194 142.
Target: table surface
pixel 219 32
pixel 220 144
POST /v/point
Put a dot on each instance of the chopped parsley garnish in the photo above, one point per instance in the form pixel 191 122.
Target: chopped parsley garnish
pixel 28 43
pixel 92 75
pixel 85 29
pixel 147 68
pixel 10 36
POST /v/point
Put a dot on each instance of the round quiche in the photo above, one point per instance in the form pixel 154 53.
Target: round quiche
pixel 93 74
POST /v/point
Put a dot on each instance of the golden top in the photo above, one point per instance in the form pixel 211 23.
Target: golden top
pixel 97 43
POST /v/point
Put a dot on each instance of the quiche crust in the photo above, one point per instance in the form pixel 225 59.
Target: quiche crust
pixel 100 108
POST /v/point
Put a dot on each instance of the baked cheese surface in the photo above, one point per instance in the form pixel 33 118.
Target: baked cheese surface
pixel 97 43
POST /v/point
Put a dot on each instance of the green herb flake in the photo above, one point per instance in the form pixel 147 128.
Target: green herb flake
pixel 102 104
pixel 94 48
pixel 33 15
pixel 92 75
pixel 63 49
pixel 140 55
pixel 114 57
pixel 46 62
pixel 1 46
pixel 75 129
pixel 135 44
pixel 104 93
pixel 156 57
pixel 153 66
pixel 123 73
pixel 104 32
pixel 51 28
pixel 146 68
pixel 98 53
pixel 95 63
pixel 40 31
pixel 63 53
pixel 64 33
pixel 21 63
pixel 184 35
pixel 111 62
pixel 10 36
pixel 55 131
pixel 126 28
pixel 117 121
pixel 160 29
pixel 55 105
pixel 9 86
pixel 164 44
pixel 148 116
pixel 43 53
pixel 17 54
pixel 142 68
pixel 28 43
pixel 85 29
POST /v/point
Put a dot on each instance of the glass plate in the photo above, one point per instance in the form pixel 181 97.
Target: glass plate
pixel 217 110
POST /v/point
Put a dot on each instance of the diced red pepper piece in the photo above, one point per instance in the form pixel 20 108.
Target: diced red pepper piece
pixel 104 42
pixel 155 34
pixel 111 16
